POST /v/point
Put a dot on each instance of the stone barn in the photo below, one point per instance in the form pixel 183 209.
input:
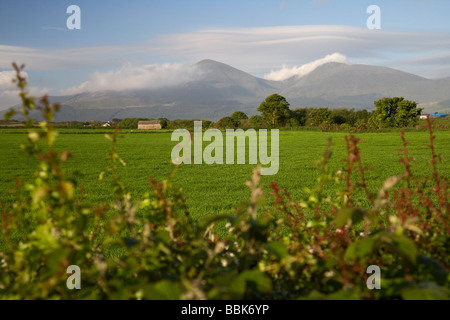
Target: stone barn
pixel 149 125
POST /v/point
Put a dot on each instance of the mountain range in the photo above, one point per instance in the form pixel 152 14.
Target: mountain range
pixel 222 89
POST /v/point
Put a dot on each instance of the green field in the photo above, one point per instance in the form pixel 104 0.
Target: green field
pixel 214 189
pixel 157 252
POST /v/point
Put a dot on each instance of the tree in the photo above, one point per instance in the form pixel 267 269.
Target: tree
pixel 227 123
pixel 301 115
pixel 408 113
pixel 395 112
pixel 164 122
pixel 275 110
pixel 319 116
pixel 293 122
pixel 239 115
pixel 341 116
pixel 206 124
pixel 256 121
pixel 115 121
pixel 362 116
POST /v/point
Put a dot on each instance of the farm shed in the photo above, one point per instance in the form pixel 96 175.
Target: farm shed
pixel 148 125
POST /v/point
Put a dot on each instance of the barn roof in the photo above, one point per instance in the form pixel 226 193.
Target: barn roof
pixel 149 122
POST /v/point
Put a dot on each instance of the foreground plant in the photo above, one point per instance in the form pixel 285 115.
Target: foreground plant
pixel 276 248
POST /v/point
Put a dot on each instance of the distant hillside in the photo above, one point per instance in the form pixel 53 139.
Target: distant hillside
pixel 340 85
pixel 223 89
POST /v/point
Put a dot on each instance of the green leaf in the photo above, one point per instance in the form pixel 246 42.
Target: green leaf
pixel 9 114
pixel 277 248
pixel 258 279
pixel 360 249
pixel 349 215
pixel 432 269
pixel 53 261
pixel 402 245
pixel 51 137
pixel 164 290
pixel 237 285
pixel 164 236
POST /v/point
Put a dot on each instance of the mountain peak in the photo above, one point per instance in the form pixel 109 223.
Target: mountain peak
pixel 329 66
pixel 205 61
pixel 208 63
pixel 221 75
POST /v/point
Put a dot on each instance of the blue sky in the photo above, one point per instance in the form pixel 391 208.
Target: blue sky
pixel 271 39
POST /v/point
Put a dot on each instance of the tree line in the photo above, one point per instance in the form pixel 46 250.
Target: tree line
pixel 275 112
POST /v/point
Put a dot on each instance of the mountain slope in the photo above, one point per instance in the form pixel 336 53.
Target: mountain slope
pixel 220 75
pixel 341 85
pixel 221 89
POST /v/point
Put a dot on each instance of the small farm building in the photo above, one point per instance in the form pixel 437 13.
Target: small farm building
pixel 148 125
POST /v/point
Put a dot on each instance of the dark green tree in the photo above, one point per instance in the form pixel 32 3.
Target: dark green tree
pixel 408 113
pixel 164 122
pixel 319 116
pixel 362 116
pixel 256 121
pixel 227 123
pixel 275 110
pixel 301 115
pixel 239 115
pixel 341 116
pixel 395 112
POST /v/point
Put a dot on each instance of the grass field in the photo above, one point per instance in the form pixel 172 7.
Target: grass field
pixel 158 253
pixel 214 189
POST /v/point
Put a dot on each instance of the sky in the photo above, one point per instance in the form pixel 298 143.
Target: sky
pixel 151 44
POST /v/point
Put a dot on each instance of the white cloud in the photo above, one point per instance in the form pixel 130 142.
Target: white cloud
pixel 255 50
pixel 9 93
pixel 8 98
pixel 286 72
pixel 71 58
pixel 433 59
pixel 258 50
pixel 6 79
pixel 132 77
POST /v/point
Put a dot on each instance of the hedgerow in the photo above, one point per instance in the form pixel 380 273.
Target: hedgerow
pixel 314 248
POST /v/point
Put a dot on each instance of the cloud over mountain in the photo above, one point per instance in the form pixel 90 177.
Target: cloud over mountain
pixel 9 95
pixel 259 49
pixel 286 72
pixel 254 49
pixel 136 77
